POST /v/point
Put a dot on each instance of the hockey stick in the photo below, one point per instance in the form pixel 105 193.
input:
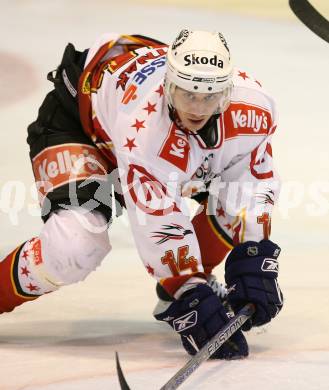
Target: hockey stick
pixel 311 18
pixel 205 352
pixel 122 379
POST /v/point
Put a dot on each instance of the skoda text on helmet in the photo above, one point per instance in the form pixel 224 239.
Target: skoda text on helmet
pixel 200 62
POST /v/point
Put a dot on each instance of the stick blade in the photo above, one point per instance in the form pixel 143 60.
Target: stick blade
pixel 307 14
pixel 122 379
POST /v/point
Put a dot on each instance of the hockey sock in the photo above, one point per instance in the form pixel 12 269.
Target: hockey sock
pixel 17 283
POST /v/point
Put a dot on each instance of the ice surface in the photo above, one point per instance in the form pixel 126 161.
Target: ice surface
pixel 67 340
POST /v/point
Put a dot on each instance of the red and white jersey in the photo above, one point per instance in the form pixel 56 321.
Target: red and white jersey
pixel 125 112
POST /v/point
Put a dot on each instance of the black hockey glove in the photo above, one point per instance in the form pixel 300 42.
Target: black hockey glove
pixel 197 316
pixel 66 78
pixel 251 272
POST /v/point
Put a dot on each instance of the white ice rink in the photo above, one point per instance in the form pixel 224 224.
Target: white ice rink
pixel 66 340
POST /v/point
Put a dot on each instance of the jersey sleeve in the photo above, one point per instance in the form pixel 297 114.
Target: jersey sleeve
pixel 249 188
pixel 159 219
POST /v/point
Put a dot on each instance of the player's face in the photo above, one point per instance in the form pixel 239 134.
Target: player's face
pixel 194 109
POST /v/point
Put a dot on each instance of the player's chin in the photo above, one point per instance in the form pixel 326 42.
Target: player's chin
pixel 195 125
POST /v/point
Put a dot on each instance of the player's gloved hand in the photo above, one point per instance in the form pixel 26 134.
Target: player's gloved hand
pixel 251 272
pixel 197 316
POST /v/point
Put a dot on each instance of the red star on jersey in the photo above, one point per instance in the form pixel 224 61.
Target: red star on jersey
pixel 257 82
pixel 243 75
pixel 150 108
pixel 228 226
pixel 25 271
pixel 220 212
pixel 32 288
pixel 150 270
pixel 160 90
pixel 130 144
pixel 25 254
pixel 139 125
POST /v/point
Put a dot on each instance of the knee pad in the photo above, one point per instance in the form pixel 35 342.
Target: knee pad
pixel 73 243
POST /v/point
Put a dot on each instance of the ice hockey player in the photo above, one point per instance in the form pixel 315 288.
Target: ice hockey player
pixel 155 124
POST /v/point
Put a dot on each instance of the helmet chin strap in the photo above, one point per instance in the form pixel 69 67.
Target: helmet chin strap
pixel 208 133
pixel 175 118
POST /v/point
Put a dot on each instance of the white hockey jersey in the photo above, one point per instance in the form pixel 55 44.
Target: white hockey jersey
pixel 124 111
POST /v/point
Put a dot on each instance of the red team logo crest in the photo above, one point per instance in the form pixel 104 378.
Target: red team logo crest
pixel 148 193
pixel 260 167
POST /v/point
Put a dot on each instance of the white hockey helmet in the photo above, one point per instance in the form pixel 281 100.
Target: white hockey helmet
pixel 200 62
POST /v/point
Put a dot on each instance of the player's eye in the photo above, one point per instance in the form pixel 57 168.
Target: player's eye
pixel 210 97
pixel 190 96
